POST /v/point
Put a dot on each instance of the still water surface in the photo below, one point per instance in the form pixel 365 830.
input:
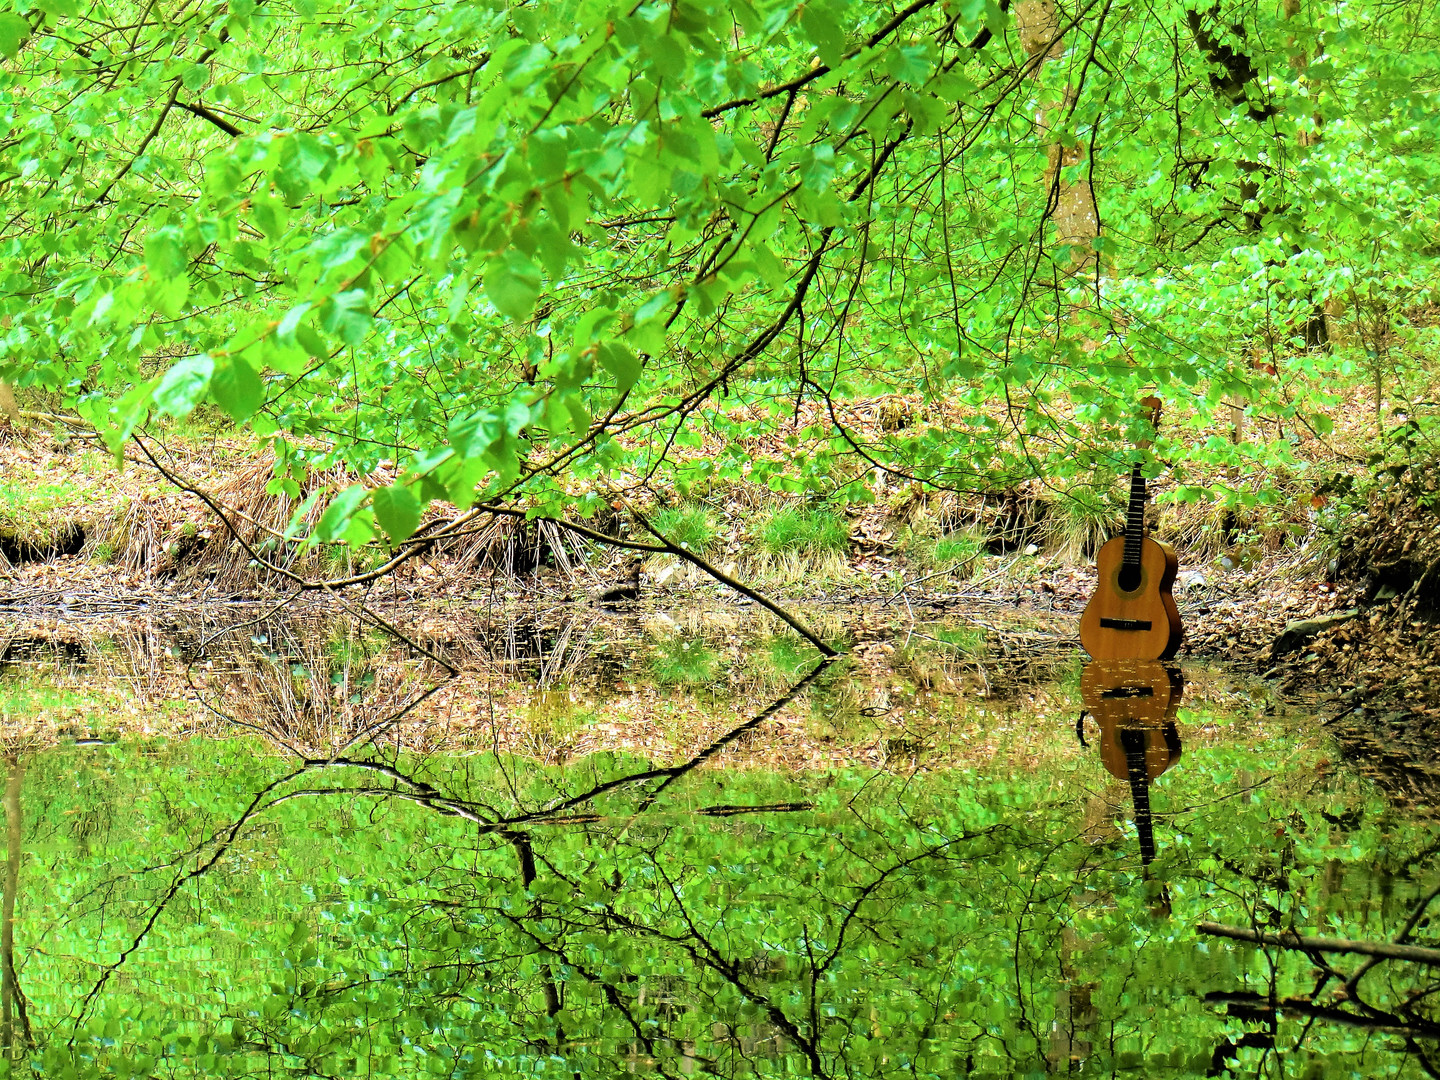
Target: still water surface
pixel 682 847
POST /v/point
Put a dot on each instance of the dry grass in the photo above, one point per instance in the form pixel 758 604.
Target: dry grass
pixel 273 523
pixel 515 549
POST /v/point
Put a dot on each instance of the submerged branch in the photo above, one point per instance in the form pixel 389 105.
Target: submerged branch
pixel 1289 940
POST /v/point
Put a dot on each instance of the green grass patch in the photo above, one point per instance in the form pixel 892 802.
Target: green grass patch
pixel 682 661
pixel 690 525
pixel 1084 518
pixel 959 552
pixel 38 511
pixel 954 549
pixel 798 531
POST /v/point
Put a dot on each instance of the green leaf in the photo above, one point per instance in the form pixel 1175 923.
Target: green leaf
pixel 309 340
pixel 195 77
pixel 166 266
pixel 908 63
pixel 397 510
pixel 771 270
pixel 291 322
pixel 824 32
pixel 184 385
pixel 547 154
pixel 590 324
pixel 817 167
pixel 236 388
pixel 116 421
pixel 165 257
pixel 620 362
pixel 336 519
pixel 13 32
pixel 472 435
pixel 512 284
pixel 347 315
pixel 296 525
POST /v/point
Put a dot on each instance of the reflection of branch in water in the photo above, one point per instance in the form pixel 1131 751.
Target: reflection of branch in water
pixel 1252 1006
pixel 302 695
pixel 365 613
pixel 1404 935
pixel 550 651
pixel 229 837
pixel 510 827
pixel 525 857
pixel 449 807
pixel 735 733
pixel 710 956
pixel 426 795
pixel 563 660
pixel 265 616
pixel 1384 949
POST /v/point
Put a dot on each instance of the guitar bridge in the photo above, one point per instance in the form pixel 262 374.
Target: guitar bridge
pixel 1125 624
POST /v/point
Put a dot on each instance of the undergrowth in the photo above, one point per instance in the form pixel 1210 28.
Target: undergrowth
pixel 39 511
pixel 689 525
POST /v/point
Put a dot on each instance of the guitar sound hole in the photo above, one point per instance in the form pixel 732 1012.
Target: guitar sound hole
pixel 1128 579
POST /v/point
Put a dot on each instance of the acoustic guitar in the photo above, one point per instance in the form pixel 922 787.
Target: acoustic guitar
pixel 1132 615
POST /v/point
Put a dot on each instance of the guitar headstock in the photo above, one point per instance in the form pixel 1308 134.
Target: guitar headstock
pixel 1152 405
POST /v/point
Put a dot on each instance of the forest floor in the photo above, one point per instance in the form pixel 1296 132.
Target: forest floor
pixel 95 539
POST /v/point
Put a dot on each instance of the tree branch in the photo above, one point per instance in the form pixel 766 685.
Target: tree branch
pixel 205 114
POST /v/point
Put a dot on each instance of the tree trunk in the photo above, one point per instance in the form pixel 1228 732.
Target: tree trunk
pixel 1235 77
pixel 1070 205
pixel 10 1002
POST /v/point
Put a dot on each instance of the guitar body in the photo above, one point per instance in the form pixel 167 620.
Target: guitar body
pixel 1138 623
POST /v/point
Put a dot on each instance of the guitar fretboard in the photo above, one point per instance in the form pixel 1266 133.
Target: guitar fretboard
pixel 1135 517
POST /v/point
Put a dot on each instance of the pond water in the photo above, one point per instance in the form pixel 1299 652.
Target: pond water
pixel 680 845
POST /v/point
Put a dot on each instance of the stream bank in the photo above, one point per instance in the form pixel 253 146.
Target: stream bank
pixel 88 540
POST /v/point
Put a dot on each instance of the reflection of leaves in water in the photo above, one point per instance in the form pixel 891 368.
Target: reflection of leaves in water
pixel 486 915
pixel 916 926
pixel 790 655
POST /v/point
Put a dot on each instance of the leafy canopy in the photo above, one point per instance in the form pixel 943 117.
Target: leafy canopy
pixel 514 247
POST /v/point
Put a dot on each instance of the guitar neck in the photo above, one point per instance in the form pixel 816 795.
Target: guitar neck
pixel 1135 517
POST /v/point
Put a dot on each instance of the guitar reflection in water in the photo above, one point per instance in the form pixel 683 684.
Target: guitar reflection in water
pixel 1134 702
